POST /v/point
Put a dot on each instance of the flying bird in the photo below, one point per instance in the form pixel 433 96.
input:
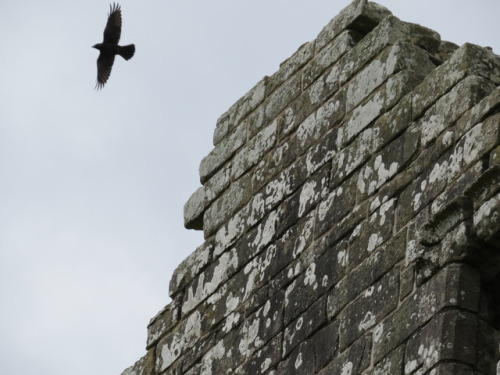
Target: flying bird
pixel 109 47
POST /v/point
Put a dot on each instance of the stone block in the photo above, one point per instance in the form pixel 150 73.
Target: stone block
pixel 335 206
pixel 144 366
pixel 388 32
pixel 325 343
pixel 369 308
pixel 467 60
pixel 224 207
pixel 489 105
pixel 386 164
pixel 301 360
pixel 478 141
pixel 222 153
pixel 254 150
pixel 178 342
pixel 162 323
pixel 486 221
pixel 362 277
pixel 486 186
pixel 451 335
pixel 447 109
pixel 281 97
pixel 371 233
pixel 190 267
pixel 264 324
pixel 266 358
pixel 208 281
pixel 360 15
pixel 400 56
pixel 390 365
pixel 291 66
pixel 231 119
pixel 224 356
pixel 379 102
pixel 194 209
pixel 447 289
pixel 329 55
pixel 302 327
pixel 354 360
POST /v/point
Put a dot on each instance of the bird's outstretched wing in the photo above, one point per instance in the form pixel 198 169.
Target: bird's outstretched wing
pixel 113 28
pixel 104 65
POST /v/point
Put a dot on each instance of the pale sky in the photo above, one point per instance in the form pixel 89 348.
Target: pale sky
pixel 92 184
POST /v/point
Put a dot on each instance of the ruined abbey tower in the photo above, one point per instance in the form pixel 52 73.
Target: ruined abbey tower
pixel 351 213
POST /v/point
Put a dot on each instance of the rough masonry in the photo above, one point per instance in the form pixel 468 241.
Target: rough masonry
pixel 351 213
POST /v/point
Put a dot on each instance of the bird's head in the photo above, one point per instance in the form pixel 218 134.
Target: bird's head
pixel 97 46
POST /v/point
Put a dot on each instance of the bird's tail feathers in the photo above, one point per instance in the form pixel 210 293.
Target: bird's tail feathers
pixel 127 51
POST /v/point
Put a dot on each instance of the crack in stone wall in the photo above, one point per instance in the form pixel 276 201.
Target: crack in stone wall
pixel 351 213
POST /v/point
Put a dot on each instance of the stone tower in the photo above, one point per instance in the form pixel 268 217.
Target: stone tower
pixel 351 212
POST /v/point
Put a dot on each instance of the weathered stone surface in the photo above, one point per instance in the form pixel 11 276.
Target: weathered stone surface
pixel 227 204
pixel 239 110
pixel 467 60
pixel 449 336
pixel 330 55
pixel 390 365
pixel 351 211
pixel 266 358
pixel 144 366
pixel 361 15
pixel 353 360
pixel 369 308
pixel 487 221
pixel 291 65
pixel 190 267
pixel 451 106
pixel 254 150
pixel 162 323
pixel 365 275
pixel 445 289
pixel 221 153
pixel 179 341
pixel 194 209
pixel 302 327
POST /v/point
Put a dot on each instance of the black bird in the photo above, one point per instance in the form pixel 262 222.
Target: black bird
pixel 109 47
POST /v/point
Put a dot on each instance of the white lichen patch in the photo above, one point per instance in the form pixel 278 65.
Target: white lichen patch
pixel 310 276
pixel 265 364
pixel 298 361
pixel 216 353
pixel 368 321
pixel 232 302
pixel 383 174
pixel 299 324
pixel 378 332
pixel 432 126
pixel 316 91
pixel 267 308
pixel 384 209
pixel 411 366
pixel 306 129
pixel 265 232
pixel 343 258
pixel 178 343
pixel 374 241
pixel 308 195
pixel 347 368
pixel 487 218
pixel 429 355
pixel 231 321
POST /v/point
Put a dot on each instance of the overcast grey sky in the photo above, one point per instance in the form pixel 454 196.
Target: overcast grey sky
pixel 92 184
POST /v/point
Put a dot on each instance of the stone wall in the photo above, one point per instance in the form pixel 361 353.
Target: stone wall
pixel 351 211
